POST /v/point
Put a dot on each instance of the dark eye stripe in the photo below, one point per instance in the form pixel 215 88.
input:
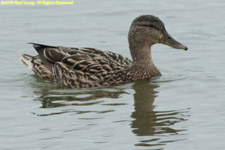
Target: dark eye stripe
pixel 159 28
pixel 150 26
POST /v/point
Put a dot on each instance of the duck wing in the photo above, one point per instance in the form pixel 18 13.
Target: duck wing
pixel 84 67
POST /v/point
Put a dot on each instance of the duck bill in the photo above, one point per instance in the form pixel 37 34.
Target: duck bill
pixel 170 41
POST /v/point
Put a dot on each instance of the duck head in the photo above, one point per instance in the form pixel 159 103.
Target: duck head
pixel 146 31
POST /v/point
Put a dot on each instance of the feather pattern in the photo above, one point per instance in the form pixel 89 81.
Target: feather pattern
pixel 77 68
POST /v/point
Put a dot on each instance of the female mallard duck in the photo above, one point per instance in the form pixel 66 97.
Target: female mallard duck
pixel 89 67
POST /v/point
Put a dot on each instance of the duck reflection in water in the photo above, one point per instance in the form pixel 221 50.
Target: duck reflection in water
pixel 148 122
pixel 54 95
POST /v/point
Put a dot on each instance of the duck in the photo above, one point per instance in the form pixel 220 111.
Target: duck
pixel 90 67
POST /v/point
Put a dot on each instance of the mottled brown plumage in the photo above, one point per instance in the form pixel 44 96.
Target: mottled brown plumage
pixel 89 67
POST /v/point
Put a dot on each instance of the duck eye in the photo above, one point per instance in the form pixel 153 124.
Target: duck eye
pixel 169 37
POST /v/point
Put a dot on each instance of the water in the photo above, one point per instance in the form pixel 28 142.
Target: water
pixel 183 109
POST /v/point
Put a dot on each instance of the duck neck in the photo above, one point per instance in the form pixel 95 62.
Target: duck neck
pixel 142 65
pixel 141 56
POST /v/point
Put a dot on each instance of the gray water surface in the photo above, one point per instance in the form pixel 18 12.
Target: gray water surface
pixel 181 110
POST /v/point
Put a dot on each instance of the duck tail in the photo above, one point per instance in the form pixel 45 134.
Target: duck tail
pixel 40 48
pixel 27 60
pixel 36 65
